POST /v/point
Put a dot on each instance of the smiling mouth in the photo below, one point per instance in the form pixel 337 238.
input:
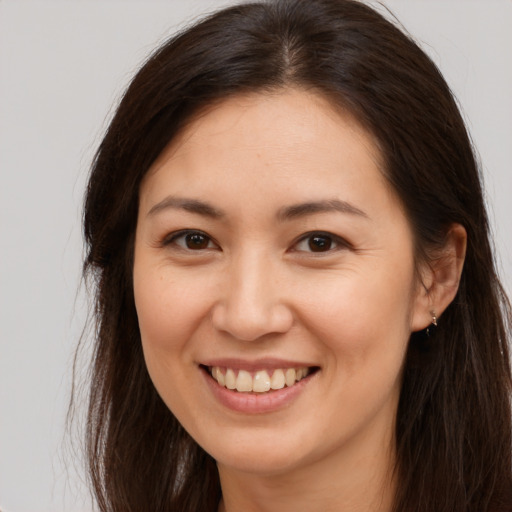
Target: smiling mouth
pixel 261 381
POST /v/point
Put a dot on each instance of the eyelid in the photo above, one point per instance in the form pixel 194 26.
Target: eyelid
pixel 170 239
pixel 340 243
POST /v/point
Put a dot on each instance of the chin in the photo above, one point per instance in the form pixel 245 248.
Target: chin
pixel 260 462
pixel 265 455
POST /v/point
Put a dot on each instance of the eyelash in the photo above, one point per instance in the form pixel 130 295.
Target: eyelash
pixel 338 242
pixel 173 238
pixel 331 239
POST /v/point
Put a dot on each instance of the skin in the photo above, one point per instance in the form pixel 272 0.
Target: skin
pixel 255 289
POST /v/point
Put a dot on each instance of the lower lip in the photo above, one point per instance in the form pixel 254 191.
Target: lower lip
pixel 256 403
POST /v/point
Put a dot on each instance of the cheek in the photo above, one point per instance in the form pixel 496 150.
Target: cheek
pixel 168 310
pixel 363 316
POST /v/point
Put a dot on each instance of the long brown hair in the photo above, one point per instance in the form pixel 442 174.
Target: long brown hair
pixel 453 430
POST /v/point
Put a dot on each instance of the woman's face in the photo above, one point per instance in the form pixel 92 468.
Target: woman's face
pixel 271 253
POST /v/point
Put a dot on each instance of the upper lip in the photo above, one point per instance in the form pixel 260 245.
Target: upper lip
pixel 256 364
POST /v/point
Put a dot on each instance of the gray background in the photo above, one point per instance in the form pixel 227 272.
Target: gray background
pixel 62 67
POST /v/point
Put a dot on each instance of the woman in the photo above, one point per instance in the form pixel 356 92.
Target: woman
pixel 296 298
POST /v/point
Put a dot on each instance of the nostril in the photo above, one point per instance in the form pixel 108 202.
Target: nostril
pixel 251 321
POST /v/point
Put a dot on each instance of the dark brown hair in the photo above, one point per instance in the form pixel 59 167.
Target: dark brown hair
pixel 453 430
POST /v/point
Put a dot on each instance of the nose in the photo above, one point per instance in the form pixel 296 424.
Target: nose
pixel 252 302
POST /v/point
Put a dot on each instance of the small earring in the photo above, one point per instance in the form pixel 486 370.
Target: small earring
pixel 433 325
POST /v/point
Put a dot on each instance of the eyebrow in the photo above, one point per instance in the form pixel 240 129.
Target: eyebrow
pixel 284 214
pixel 310 208
pixel 189 205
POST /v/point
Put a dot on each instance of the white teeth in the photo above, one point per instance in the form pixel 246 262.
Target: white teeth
pixel 244 381
pixel 278 381
pixel 301 373
pixel 290 376
pixel 220 377
pixel 260 381
pixel 230 379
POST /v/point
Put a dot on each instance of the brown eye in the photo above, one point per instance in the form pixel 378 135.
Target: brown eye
pixel 319 243
pixel 196 241
pixel 190 241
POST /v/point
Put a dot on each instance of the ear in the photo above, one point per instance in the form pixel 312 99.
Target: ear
pixel 439 279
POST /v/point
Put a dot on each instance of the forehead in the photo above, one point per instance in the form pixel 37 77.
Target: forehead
pixel 278 148
pixel 251 158
pixel 277 128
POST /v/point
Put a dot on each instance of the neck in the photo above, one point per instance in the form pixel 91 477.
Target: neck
pixel 348 482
